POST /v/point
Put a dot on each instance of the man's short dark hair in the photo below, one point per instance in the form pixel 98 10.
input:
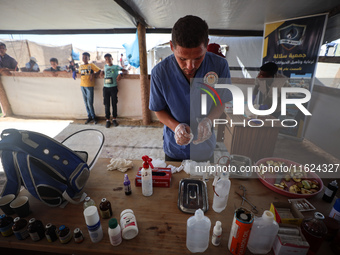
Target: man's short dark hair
pixel 108 55
pixel 54 60
pixel 86 54
pixel 2 44
pixel 270 68
pixel 190 32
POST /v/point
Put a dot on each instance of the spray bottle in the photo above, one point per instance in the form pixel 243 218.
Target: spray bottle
pixel 146 174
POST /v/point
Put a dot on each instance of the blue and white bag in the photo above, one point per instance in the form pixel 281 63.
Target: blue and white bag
pixel 49 170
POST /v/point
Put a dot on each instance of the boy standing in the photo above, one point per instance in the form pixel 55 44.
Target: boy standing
pixel 110 89
pixel 87 82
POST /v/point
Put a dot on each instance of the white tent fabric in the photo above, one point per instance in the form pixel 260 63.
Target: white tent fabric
pixel 107 14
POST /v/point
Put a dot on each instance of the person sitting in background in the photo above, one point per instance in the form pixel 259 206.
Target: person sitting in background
pixel 31 66
pixel 7 63
pixel 266 80
pixel 216 49
pixel 54 66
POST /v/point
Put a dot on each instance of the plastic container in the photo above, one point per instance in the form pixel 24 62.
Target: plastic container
pixel 330 191
pixel 335 212
pixel 198 232
pixel 88 202
pixel 217 233
pixel 146 174
pixel 93 223
pixel 128 224
pixel 221 194
pixel 20 228
pixel 263 233
pixel 127 185
pixel 115 233
pixel 314 230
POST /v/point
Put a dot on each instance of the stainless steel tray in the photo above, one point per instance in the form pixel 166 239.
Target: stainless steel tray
pixel 240 161
pixel 192 195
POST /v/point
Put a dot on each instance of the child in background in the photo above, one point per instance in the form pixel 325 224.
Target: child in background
pixel 110 90
pixel 89 72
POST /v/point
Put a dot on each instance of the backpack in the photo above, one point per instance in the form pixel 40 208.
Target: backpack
pixel 49 170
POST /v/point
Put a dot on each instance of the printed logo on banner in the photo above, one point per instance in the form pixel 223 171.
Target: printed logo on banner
pixel 291 36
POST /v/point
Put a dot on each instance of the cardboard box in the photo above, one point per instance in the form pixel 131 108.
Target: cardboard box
pixel 161 177
pixel 297 215
pixel 281 248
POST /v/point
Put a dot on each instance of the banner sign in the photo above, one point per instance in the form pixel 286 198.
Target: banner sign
pixel 294 46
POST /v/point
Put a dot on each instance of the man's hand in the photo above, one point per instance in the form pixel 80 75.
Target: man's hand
pixel 203 131
pixel 183 135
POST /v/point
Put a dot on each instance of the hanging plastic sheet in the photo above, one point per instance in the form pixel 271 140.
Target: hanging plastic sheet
pixel 132 52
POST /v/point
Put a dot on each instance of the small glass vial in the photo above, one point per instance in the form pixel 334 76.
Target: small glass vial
pixel 105 209
pixel 6 223
pixel 217 232
pixel 78 236
pixel 36 229
pixel 128 224
pixel 127 185
pixel 65 235
pixel 20 228
pixel 115 233
pixel 330 191
pixel 51 233
pixel 88 202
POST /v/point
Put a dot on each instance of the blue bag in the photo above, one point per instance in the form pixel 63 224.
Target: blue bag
pixel 49 170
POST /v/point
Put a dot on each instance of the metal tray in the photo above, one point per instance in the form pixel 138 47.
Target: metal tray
pixel 240 161
pixel 192 195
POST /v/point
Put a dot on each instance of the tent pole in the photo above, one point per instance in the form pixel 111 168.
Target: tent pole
pixel 144 82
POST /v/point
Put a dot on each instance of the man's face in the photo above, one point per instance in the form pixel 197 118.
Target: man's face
pixel 86 59
pixel 189 59
pixel 2 50
pixel 108 60
pixel 54 64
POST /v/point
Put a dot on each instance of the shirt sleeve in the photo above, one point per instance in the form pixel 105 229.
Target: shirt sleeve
pixel 157 101
pixel 95 68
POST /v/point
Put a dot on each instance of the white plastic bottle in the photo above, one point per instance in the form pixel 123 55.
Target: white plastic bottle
pixel 146 174
pixel 221 194
pixel 93 223
pixel 198 231
pixel 217 232
pixel 114 232
pixel 263 233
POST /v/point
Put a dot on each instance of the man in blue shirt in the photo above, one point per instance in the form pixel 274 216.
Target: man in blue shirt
pixel 177 84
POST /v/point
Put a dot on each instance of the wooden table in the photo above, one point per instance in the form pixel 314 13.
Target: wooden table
pixel 162 226
pixel 249 140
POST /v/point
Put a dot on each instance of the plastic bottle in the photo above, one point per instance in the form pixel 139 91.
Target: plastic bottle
pixel 330 191
pixel 221 194
pixel 198 231
pixel 314 230
pixel 146 174
pixel 93 223
pixel 128 224
pixel 114 232
pixel 127 185
pixel 88 202
pixel 263 233
pixel 217 232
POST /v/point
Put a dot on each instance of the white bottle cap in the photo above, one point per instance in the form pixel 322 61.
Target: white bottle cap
pixel 91 215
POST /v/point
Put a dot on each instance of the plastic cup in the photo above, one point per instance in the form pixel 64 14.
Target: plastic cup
pixel 21 206
pixel 5 202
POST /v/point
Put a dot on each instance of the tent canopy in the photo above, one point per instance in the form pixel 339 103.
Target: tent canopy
pixel 227 17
